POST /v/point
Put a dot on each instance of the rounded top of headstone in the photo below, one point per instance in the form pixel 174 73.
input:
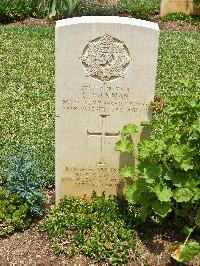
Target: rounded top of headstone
pixel 107 20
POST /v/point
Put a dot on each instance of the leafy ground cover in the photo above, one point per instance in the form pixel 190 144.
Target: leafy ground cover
pixel 31 247
pixel 101 229
pixel 181 17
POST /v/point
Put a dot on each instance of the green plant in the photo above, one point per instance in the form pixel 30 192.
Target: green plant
pixel 167 176
pixel 181 17
pixel 177 16
pixel 196 3
pixel 13 213
pixel 14 9
pixel 39 8
pixel 94 9
pixel 20 9
pixel 184 252
pixel 62 8
pixel 141 9
pixel 101 229
pixel 24 179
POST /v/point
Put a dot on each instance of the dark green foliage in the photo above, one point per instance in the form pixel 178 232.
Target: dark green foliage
pixel 19 9
pixel 62 8
pixel 13 213
pixel 167 177
pixel 92 9
pixel 13 9
pixel 196 3
pixel 25 179
pixel 101 229
pixel 181 17
pixel 141 9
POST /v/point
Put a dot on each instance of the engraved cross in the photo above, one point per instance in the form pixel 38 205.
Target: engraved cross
pixel 103 135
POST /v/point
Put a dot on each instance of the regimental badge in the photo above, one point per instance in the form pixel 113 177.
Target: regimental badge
pixel 105 58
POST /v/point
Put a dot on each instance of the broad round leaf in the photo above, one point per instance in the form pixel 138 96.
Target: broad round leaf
pixel 183 194
pixel 129 130
pixel 161 208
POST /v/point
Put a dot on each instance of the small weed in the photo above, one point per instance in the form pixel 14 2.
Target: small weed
pixel 13 213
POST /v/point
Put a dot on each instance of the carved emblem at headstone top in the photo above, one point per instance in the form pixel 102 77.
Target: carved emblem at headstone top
pixel 106 58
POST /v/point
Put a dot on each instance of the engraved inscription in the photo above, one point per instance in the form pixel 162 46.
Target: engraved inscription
pixel 103 135
pixel 105 58
pixel 104 99
pixel 96 177
pixel 181 2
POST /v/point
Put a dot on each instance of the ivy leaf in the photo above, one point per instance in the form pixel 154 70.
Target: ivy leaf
pixel 126 171
pixel 161 208
pixel 163 194
pixel 183 194
pixel 124 145
pixel 129 130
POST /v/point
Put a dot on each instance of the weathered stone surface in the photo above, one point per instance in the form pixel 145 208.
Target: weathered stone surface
pixel 185 6
pixel 105 78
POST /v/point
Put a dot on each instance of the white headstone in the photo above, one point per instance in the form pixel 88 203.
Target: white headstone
pixel 105 78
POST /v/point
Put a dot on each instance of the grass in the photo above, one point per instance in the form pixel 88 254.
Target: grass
pixel 178 60
pixel 27 94
pixel 27 86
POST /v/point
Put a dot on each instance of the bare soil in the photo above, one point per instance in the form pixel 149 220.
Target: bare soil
pixel 33 248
